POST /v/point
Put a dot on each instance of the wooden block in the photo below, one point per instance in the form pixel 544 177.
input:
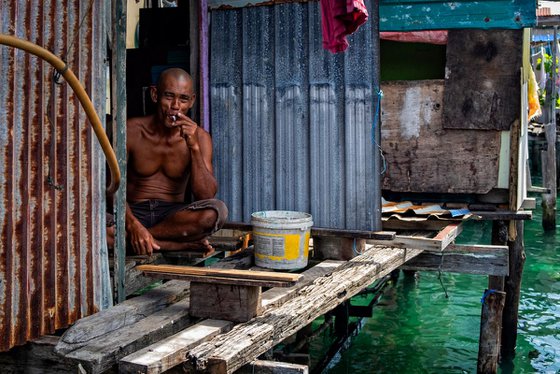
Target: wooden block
pixel 227 302
pixel 222 276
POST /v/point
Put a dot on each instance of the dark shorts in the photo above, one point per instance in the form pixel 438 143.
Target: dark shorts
pixel 152 212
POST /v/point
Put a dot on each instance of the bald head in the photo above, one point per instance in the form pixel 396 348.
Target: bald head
pixel 176 74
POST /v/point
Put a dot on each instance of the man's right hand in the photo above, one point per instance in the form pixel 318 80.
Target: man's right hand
pixel 143 243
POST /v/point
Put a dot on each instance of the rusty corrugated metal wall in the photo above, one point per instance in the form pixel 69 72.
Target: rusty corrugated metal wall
pixel 53 263
pixel 292 123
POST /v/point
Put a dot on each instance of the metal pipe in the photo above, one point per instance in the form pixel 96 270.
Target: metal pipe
pixel 80 92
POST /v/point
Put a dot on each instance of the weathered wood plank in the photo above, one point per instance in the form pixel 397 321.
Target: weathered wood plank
pixel 466 259
pixel 521 215
pixel 36 357
pixel 277 296
pixel 221 276
pixel 105 352
pixel 421 155
pixel 245 342
pixel 435 244
pixel 273 367
pixel 490 331
pixel 173 349
pixel 482 89
pixel 170 352
pixel 322 231
pixel 87 329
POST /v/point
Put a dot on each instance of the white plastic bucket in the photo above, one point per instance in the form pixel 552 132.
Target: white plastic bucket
pixel 281 238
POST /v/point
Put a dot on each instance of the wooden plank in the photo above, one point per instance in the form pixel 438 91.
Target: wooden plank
pixel 36 356
pixel 482 90
pixel 87 329
pixel 245 342
pixel 435 244
pixel 529 203
pixel 322 231
pixel 225 301
pixel 222 276
pixel 273 367
pixel 170 352
pixel 103 353
pixel 277 296
pixel 465 259
pixel 149 359
pixel 426 224
pixel 521 215
pixel 421 155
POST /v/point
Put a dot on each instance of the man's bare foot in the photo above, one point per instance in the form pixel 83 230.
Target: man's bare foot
pixel 195 246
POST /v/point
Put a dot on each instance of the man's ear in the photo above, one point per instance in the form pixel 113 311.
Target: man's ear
pixel 153 93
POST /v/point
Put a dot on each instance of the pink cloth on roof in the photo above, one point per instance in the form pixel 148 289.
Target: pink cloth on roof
pixel 340 18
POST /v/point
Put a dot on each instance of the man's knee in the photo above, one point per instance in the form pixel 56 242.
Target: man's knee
pixel 214 216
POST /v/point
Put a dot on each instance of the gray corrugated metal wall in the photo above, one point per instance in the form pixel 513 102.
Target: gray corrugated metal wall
pixel 53 263
pixel 292 122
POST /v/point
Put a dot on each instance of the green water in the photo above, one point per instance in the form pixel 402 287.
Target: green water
pixel 416 329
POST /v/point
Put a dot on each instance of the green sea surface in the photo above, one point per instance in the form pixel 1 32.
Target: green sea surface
pixel 415 328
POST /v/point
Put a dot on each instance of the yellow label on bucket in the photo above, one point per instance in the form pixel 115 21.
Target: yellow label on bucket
pixel 278 247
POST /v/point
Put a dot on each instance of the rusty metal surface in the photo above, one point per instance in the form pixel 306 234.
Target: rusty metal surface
pixel 52 172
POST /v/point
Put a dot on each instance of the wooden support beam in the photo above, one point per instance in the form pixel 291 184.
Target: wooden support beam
pixel 522 215
pixel 221 276
pixel 245 342
pixel 490 331
pixel 513 291
pixel 170 352
pixel 321 231
pixel 466 259
pixel 273 367
pixel 427 224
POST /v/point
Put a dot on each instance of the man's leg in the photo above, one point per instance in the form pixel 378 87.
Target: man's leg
pixel 188 228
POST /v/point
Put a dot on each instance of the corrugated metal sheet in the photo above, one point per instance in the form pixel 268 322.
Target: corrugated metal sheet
pixel 408 15
pixel 52 258
pixel 292 122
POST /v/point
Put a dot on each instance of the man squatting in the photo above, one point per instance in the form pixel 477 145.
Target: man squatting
pixel 170 159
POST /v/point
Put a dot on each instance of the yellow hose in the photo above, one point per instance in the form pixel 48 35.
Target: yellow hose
pixel 74 83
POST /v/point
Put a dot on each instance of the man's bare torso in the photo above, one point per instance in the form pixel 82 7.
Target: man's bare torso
pixel 158 162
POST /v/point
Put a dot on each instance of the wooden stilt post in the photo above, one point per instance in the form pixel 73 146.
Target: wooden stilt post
pixel 499 237
pixel 491 321
pixel 513 288
pixel 549 155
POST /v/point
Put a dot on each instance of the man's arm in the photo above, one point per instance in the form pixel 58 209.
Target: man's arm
pixel 203 182
pixel 142 242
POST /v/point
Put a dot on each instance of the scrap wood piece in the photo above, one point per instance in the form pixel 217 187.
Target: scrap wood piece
pixel 245 342
pixel 170 352
pixel 102 354
pixel 222 276
pixel 167 353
